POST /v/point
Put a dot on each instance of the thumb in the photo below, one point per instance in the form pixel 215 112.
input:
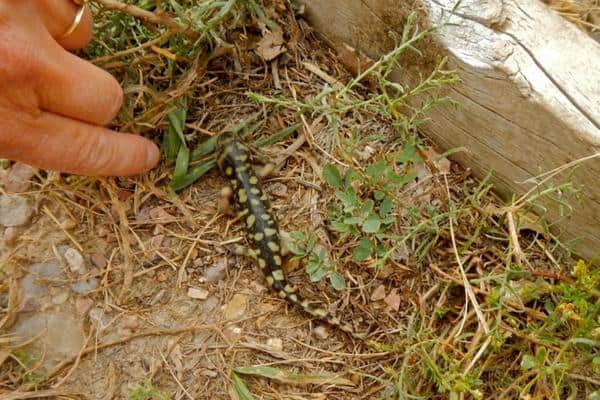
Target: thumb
pixel 57 143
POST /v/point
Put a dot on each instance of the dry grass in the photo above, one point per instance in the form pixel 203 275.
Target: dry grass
pixel 583 13
pixel 480 302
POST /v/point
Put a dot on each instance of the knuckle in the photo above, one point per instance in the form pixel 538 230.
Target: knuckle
pixel 18 62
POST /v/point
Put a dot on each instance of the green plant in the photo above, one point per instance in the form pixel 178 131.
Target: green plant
pixel 147 391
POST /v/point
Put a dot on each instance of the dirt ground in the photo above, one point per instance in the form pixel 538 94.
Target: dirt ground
pixel 116 288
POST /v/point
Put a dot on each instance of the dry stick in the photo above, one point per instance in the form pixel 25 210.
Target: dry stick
pixel 175 377
pixel 140 13
pixel 584 378
pixel 37 394
pixel 126 250
pixel 55 220
pixel 123 53
pixel 546 176
pixel 468 289
pixel 532 312
pixel 516 247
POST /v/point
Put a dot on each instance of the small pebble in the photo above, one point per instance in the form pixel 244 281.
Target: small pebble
pixel 85 286
pixel 83 305
pixel 321 332
pixel 232 332
pixel 216 272
pixel 278 189
pixel 130 322
pixel 275 343
pixel 75 261
pixel 10 236
pixel 197 293
pixel 15 210
pixel 210 304
pixel 98 260
pixel 19 178
pixel 60 297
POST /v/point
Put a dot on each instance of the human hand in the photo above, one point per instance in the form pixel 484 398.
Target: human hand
pixel 53 105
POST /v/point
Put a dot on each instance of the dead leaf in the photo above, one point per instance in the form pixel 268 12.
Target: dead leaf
pixel 378 293
pixel 271 45
pixel 531 222
pixel 393 300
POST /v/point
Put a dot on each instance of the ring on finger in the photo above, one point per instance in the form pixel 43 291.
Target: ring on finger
pixel 77 19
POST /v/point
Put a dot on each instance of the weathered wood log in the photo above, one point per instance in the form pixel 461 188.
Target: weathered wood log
pixel 530 91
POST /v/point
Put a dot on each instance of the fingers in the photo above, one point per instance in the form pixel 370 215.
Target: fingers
pixel 58 15
pixel 61 144
pixel 72 87
pixel 64 83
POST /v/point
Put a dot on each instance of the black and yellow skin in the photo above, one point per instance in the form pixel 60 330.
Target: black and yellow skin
pixel 254 210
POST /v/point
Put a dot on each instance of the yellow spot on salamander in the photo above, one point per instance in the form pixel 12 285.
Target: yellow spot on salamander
pixel 250 220
pixel 305 305
pixel 270 281
pixel 242 213
pixel 228 171
pixel 293 297
pixel 242 197
pixel 273 246
pixel 262 263
pixel 259 236
pixel 319 312
pixel 282 294
pixel 277 260
pixel 254 190
pixel 253 180
pixel 270 232
pixel 289 288
pixel 277 274
pixel 265 217
pixel 241 157
pixel 254 201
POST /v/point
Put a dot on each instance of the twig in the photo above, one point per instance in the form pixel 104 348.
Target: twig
pixel 517 252
pixel 37 394
pixel 140 13
pixel 468 289
pixel 55 220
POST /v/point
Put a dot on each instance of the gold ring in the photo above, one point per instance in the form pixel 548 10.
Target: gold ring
pixel 77 19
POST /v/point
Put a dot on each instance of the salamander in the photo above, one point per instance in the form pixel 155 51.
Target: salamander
pixel 253 208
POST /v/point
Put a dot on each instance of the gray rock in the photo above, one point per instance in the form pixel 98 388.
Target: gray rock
pixel 85 286
pixel 215 272
pixel 35 285
pixel 15 210
pixel 62 337
pixel 75 261
pixel 19 177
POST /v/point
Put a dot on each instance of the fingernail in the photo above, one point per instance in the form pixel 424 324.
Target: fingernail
pixel 152 156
